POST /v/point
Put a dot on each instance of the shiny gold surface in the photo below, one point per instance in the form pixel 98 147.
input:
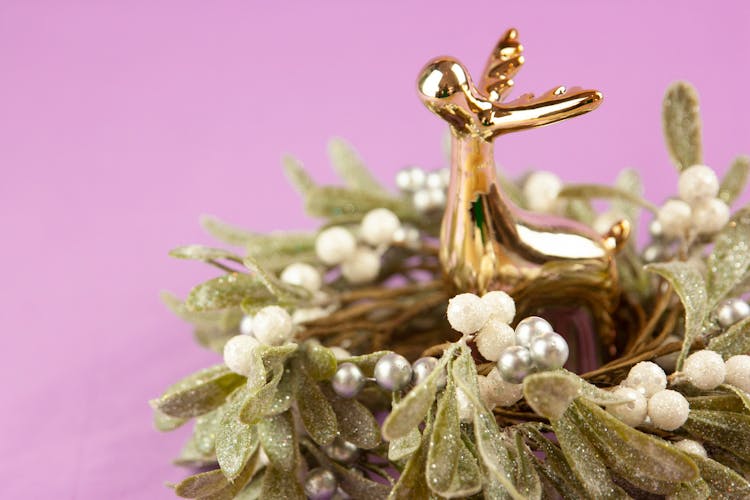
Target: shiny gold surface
pixel 487 243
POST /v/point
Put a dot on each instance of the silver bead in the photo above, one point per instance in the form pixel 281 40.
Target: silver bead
pixel 320 484
pixel 411 179
pixel 348 380
pixel 514 364
pixel 549 351
pixel 342 450
pixel 393 372
pixel 423 367
pixel 530 328
pixel 731 311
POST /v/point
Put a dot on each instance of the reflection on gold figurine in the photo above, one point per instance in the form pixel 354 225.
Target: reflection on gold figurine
pixel 487 243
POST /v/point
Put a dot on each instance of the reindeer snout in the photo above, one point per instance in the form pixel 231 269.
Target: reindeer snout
pixel 441 79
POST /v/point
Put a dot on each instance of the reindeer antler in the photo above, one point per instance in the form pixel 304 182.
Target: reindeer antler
pixel 504 62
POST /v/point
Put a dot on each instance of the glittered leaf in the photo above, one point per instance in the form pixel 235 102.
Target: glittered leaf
pixel 200 252
pixel 206 427
pixel 260 399
pixel 223 321
pixel 274 285
pixel 279 484
pixel 585 461
pixel 581 210
pixel 252 491
pixel 682 125
pixel 735 180
pixel 274 356
pixel 729 262
pixel 643 460
pixel 442 457
pixel 235 441
pixel 319 361
pixel 526 477
pixel 350 167
pixel 315 410
pixel 278 438
pixel 201 485
pixel 717 402
pixel 550 393
pixel 284 394
pixel 736 340
pixel 164 422
pixel 295 172
pixel 412 483
pixel 688 283
pixel 724 429
pixel 190 456
pixel 199 393
pixel 596 191
pixel 332 202
pixel 404 446
pixel 225 232
pixel 723 482
pixel 227 291
pixel 554 467
pixel 693 490
pixel 741 395
pixel 356 423
pixel 490 443
pixel 629 180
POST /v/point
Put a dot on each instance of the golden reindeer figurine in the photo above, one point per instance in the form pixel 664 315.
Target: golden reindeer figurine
pixel 486 242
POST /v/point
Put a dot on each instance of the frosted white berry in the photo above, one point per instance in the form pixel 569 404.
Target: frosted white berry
pixel 738 372
pixel 540 191
pixel 674 217
pixel 411 179
pixel 692 447
pixel 334 245
pixel 362 266
pixel 668 409
pixel 710 216
pixel 407 236
pixel 273 325
pixel 632 413
pixel 238 353
pixel 302 274
pixel 697 183
pixel 494 337
pixel 340 353
pixel 705 369
pixel 428 199
pixel 497 392
pixel 502 306
pixel 379 226
pixel 246 325
pixel 434 180
pixel 467 313
pixel 308 314
pixel 646 377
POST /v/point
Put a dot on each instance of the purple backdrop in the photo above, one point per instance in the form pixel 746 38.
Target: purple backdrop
pixel 121 122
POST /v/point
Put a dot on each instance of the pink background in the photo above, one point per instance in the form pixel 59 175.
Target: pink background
pixel 122 122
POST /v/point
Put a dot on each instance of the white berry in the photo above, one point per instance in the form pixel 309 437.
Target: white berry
pixel 467 313
pixel 675 217
pixel 434 180
pixel 246 325
pixel 340 353
pixel 362 266
pixel 705 369
pixel 497 392
pixel 692 447
pixel 632 413
pixel 303 275
pixel 710 216
pixel 738 372
pixel 334 245
pixel 273 325
pixel 238 353
pixel 698 182
pixel 646 377
pixel 668 409
pixel 502 306
pixel 428 199
pixel 494 337
pixel 379 226
pixel 411 179
pixel 540 191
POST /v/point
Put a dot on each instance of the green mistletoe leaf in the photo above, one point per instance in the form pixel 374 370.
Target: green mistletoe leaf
pixel 595 191
pixel 315 410
pixel 350 168
pixel 736 340
pixel 729 262
pixel 279 484
pixel 555 468
pixel 206 426
pixel 236 441
pixel 356 423
pixel 688 283
pixel 722 481
pixel 227 291
pixel 412 483
pixel 201 485
pixel 404 446
pixel 735 180
pixel 165 423
pixel 681 122
pixel 200 252
pixel 199 393
pixel 278 438
pixel 724 429
pixel 319 361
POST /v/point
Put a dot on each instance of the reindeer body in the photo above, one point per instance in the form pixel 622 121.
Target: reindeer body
pixel 487 243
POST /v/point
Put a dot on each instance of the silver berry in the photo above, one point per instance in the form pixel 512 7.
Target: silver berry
pixel 393 372
pixel 320 484
pixel 514 364
pixel 342 450
pixel 423 367
pixel 549 351
pixel 731 311
pixel 348 380
pixel 530 328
